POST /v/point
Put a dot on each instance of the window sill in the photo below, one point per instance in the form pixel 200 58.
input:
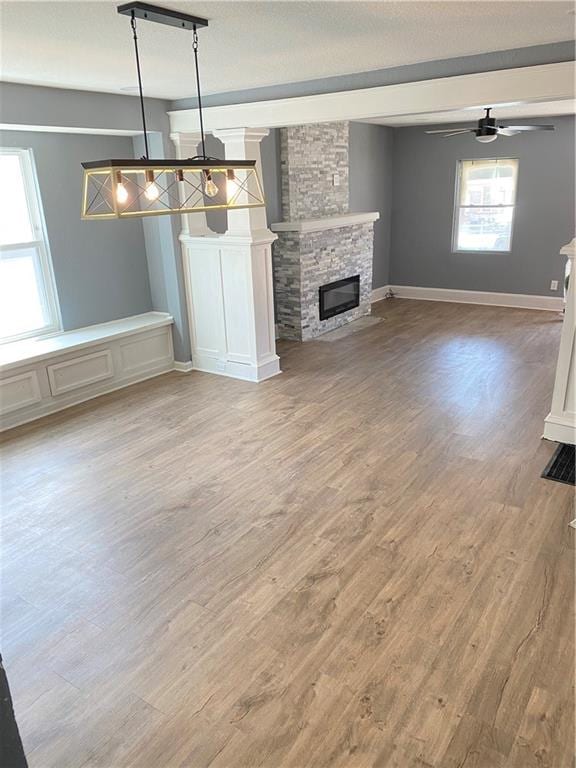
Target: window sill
pixel 487 251
pixel 15 353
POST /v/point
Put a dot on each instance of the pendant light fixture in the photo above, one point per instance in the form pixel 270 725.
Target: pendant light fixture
pixel 119 189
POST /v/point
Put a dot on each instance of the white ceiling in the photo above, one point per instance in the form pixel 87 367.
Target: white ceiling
pixel 88 46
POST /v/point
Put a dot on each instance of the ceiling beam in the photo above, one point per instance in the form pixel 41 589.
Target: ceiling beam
pixel 549 82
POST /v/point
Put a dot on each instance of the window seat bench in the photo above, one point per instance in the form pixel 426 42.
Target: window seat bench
pixel 44 375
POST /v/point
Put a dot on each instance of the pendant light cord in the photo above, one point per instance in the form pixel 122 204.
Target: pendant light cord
pixel 195 49
pixel 133 25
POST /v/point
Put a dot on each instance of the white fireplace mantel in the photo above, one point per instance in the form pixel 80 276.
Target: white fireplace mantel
pixel 330 222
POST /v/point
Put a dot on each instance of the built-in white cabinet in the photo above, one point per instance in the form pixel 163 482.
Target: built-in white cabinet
pixel 230 305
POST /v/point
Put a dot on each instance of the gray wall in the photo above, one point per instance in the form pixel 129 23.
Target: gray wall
pixel 117 278
pixel 371 159
pixel 37 105
pixel 100 268
pixel 271 179
pixel 164 259
pixel 423 203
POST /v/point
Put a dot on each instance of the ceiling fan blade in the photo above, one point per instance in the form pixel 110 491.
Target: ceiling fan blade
pixel 456 129
pixel 506 132
pixel 456 133
pixel 521 128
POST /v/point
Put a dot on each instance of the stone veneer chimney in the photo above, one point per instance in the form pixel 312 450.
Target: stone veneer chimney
pixel 310 155
pixel 319 242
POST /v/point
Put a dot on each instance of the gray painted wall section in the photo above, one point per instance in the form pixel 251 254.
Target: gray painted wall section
pixel 117 278
pixel 371 161
pixel 424 175
pixel 271 177
pixel 164 258
pixel 36 105
pixel 463 65
pixel 100 268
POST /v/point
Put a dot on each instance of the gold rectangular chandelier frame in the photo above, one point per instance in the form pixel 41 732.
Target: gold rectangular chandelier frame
pixel 121 189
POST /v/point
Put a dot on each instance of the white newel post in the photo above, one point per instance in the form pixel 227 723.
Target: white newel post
pixel 560 424
pixel 229 282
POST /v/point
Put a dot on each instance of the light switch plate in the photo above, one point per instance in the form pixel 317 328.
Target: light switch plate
pixel 554 285
pixel 336 179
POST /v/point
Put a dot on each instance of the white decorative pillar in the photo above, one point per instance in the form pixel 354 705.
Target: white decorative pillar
pixel 229 283
pixel 560 424
pixel 244 144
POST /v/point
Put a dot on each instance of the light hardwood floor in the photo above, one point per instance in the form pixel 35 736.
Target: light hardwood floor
pixel 353 564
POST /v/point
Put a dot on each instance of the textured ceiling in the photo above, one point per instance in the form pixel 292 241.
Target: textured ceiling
pixel 87 45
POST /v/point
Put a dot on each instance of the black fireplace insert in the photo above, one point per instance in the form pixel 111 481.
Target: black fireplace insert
pixel 339 296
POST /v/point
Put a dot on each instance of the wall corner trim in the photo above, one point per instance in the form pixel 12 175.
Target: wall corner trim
pixel 185 367
pixel 379 293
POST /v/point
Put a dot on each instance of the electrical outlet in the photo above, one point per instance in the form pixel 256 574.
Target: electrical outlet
pixel 336 179
pixel 554 285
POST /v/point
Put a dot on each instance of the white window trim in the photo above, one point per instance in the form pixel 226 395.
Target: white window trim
pixel 49 294
pixel 457 206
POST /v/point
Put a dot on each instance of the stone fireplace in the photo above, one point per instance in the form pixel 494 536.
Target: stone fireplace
pixel 322 249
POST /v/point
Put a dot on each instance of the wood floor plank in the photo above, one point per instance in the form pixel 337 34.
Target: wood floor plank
pixel 353 565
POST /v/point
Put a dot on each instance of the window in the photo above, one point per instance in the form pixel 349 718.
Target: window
pixel 485 201
pixel 28 300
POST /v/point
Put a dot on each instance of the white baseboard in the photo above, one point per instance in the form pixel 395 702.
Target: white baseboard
pixel 559 430
pixel 379 293
pixel 488 298
pixel 247 372
pixel 183 367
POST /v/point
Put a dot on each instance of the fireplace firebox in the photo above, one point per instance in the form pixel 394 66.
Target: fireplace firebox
pixel 339 296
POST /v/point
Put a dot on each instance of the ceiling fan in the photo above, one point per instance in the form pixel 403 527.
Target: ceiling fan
pixel 488 130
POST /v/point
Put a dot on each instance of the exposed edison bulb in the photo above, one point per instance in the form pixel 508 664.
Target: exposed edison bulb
pixel 121 191
pixel 151 191
pixel 487 139
pixel 231 185
pixel 210 189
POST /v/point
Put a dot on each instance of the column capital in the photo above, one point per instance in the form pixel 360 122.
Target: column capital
pixel 186 135
pixel 241 134
pixel 186 143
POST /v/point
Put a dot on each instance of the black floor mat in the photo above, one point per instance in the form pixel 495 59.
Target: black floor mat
pixel 561 465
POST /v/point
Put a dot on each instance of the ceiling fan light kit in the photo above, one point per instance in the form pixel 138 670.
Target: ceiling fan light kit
pixel 488 131
pixel 130 188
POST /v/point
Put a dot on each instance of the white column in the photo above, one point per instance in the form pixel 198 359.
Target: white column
pixel 560 424
pixel 244 144
pixel 186 144
pixel 229 284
